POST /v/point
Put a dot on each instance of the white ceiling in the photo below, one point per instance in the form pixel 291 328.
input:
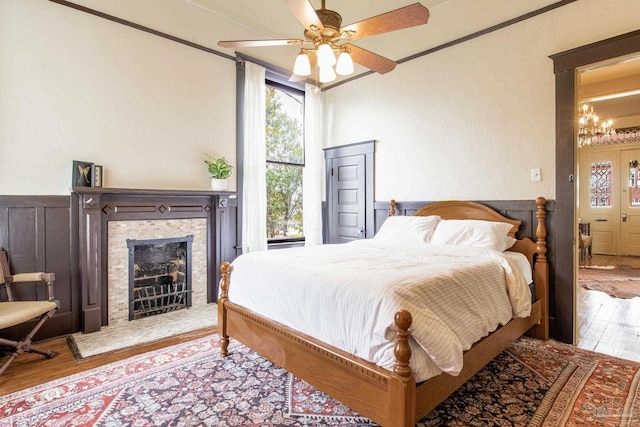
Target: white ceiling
pixel 205 22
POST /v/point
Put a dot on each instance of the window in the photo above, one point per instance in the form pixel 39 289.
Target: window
pixel 285 162
pixel 634 183
pixel 601 184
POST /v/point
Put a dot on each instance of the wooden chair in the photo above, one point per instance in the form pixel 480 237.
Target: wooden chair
pixel 14 312
pixel 585 242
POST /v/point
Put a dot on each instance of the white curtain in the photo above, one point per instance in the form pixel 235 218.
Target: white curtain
pixel 254 187
pixel 313 167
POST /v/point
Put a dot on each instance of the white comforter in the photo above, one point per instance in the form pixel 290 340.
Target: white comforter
pixel 347 295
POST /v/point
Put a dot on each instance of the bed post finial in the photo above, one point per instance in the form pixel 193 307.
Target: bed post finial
pixel 225 269
pixel 402 351
pixel 541 230
pixel 541 272
pixel 392 207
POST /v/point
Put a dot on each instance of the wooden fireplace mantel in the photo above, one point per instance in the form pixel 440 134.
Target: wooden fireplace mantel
pixel 95 206
pixel 144 191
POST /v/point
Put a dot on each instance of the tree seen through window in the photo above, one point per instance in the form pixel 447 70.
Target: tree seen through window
pixel 285 162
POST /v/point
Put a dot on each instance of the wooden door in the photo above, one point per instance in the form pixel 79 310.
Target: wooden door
pixel 348 196
pixel 610 199
pixel 630 202
pixel 349 183
pixel 599 198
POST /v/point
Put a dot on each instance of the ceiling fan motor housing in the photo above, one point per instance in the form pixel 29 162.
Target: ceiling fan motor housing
pixel 332 22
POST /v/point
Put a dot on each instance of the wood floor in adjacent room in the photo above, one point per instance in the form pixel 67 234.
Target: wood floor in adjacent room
pixel 605 324
pixel 28 370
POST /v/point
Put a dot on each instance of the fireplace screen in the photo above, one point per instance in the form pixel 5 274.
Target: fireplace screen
pixel 159 275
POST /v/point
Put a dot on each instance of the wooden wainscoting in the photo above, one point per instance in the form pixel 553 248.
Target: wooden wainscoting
pixel 36 232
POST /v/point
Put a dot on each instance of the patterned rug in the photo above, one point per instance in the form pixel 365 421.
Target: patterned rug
pixel 532 383
pixel 619 281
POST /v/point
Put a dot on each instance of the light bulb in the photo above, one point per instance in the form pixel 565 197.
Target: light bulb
pixel 302 66
pixel 327 74
pixel 344 67
pixel 326 58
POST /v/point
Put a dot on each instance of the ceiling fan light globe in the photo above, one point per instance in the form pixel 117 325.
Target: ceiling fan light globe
pixel 326 57
pixel 344 67
pixel 327 74
pixel 302 66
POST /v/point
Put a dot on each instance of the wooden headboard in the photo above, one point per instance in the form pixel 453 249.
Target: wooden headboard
pixel 460 209
pixel 456 209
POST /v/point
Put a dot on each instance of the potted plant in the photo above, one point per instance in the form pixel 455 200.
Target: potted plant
pixel 220 171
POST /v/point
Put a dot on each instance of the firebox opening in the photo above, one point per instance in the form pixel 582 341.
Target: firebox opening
pixel 159 275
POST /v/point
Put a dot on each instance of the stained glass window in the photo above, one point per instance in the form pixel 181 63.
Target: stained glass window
pixel 634 185
pixel 601 184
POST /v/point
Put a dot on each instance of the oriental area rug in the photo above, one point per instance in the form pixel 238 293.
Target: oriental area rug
pixel 618 281
pixel 531 383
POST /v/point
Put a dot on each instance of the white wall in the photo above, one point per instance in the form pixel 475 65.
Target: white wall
pixel 471 121
pixel 77 87
pixel 468 122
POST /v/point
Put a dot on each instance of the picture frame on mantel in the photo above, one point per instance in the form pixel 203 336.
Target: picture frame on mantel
pixel 81 175
pixel 96 175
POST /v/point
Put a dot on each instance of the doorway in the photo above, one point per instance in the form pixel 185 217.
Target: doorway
pixel 608 203
pixel 562 301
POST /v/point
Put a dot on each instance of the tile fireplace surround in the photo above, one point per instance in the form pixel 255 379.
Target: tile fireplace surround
pixel 107 217
pixel 118 259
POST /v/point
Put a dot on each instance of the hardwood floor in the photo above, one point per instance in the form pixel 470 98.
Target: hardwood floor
pixel 605 324
pixel 29 370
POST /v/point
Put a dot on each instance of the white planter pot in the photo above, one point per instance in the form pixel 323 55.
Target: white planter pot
pixel 219 184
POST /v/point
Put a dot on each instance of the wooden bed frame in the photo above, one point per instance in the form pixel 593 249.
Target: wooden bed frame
pixel 388 397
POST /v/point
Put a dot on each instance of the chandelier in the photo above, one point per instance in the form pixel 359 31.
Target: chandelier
pixel 589 127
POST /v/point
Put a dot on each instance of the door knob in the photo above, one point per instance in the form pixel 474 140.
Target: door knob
pixel 624 217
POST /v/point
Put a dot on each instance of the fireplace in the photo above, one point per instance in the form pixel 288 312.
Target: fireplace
pixel 108 217
pixel 122 239
pixel 159 276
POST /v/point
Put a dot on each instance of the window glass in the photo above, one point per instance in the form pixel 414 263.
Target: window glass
pixel 601 184
pixel 634 185
pixel 285 162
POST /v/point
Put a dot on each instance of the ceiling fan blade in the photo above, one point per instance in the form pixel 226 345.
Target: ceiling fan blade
pixel 370 60
pixel 405 17
pixel 304 12
pixel 259 43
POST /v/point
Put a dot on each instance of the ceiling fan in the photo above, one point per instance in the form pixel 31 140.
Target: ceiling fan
pixel 325 37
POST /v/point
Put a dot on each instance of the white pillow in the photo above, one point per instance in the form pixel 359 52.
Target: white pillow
pixel 472 232
pixel 407 229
